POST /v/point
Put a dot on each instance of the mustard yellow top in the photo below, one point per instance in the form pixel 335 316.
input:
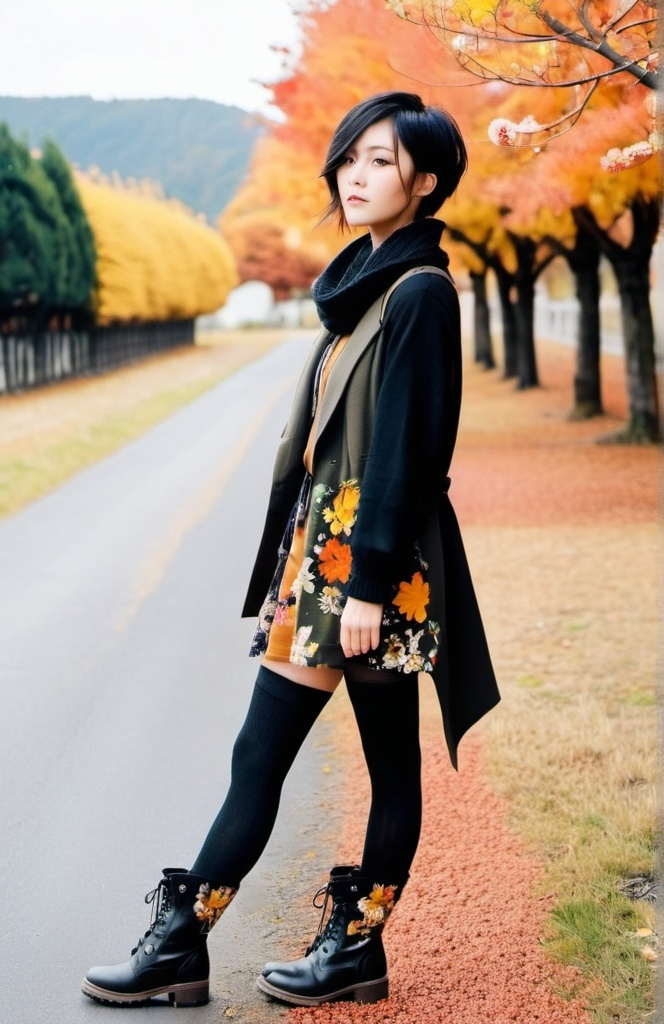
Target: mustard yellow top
pixel 330 360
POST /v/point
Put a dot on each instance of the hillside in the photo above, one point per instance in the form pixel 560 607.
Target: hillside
pixel 197 149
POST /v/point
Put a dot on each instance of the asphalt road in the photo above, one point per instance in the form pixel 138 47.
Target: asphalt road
pixel 124 677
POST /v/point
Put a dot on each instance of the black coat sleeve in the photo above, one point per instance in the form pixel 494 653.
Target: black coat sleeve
pixel 414 431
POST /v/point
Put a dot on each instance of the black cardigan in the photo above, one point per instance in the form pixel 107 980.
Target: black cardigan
pixel 415 427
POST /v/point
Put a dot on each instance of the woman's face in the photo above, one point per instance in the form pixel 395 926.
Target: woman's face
pixel 374 191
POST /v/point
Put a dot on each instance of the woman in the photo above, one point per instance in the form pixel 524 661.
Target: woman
pixel 371 580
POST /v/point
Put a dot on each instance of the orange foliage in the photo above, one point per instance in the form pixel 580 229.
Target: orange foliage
pixel 351 49
pixel 568 173
pixel 355 48
pixel 568 43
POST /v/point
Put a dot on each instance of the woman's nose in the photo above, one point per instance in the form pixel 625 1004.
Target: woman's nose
pixel 356 176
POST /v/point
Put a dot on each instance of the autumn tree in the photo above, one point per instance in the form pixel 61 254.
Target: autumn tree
pixel 155 260
pixel 602 55
pixel 269 224
pixel 614 214
pixel 574 45
pixel 350 49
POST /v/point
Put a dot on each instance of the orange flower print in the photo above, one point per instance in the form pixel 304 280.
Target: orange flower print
pixel 343 513
pixel 335 561
pixel 211 903
pixel 375 907
pixel 413 598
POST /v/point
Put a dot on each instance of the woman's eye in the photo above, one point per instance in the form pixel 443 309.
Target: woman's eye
pixel 380 161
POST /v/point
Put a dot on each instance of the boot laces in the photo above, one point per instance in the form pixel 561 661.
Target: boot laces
pixel 159 899
pixel 327 930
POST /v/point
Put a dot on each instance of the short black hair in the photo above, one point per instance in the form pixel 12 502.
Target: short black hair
pixel 430 135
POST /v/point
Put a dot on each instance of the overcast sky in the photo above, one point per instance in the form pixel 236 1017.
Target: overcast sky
pixel 212 49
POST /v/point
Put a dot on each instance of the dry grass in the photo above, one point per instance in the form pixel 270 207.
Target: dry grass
pixel 572 617
pixel 49 434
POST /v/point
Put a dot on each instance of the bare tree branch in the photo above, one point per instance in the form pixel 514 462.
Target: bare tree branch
pixel 647 78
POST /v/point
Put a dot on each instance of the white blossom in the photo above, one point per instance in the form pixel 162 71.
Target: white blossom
pixel 503 132
pixel 620 159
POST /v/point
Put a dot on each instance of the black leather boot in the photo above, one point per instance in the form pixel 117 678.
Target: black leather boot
pixel 346 960
pixel 172 956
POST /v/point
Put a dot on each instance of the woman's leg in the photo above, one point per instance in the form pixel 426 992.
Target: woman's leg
pixel 280 715
pixel 387 715
pixel 172 957
pixel 347 957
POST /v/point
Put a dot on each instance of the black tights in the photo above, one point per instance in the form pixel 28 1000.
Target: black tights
pixel 387 716
pixel 280 715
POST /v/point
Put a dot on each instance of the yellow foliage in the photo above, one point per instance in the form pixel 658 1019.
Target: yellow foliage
pixel 155 261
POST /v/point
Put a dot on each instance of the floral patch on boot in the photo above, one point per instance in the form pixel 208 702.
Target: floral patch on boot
pixel 211 903
pixel 375 907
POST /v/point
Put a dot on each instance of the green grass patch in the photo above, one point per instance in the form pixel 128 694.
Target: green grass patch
pixel 600 937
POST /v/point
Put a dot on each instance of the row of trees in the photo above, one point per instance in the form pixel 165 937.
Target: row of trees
pixel 72 248
pixel 520 205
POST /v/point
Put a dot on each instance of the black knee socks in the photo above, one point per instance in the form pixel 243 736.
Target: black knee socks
pixel 387 715
pixel 280 715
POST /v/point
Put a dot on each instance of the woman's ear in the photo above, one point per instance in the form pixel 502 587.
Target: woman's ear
pixel 424 185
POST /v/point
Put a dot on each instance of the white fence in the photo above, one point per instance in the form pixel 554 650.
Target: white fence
pixel 555 320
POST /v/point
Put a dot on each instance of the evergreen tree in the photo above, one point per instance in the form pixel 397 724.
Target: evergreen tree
pixel 79 276
pixel 47 253
pixel 22 245
pixel 32 256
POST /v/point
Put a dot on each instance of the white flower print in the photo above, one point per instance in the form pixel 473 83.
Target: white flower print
pixel 414 641
pixel 395 655
pixel 328 601
pixel 301 650
pixel 304 579
pixel 414 663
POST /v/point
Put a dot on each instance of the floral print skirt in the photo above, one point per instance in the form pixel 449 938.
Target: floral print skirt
pixel 300 617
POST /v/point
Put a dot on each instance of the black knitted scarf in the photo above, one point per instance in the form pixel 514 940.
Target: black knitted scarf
pixel 359 274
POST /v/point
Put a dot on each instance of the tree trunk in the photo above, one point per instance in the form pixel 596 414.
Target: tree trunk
pixel 505 286
pixel 631 266
pixel 525 334
pixel 639 340
pixel 583 260
pixel 482 321
pixel 526 360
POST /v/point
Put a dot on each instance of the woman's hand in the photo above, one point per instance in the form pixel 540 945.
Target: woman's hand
pixel 360 627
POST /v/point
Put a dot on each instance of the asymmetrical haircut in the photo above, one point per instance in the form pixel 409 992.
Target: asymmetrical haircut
pixel 429 134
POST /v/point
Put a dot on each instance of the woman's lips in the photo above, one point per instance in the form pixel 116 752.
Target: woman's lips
pixel 353 200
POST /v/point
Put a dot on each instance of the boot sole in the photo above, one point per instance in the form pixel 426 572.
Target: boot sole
pixel 196 993
pixel 364 992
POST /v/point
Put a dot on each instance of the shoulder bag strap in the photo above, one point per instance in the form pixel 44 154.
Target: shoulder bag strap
pixel 410 273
